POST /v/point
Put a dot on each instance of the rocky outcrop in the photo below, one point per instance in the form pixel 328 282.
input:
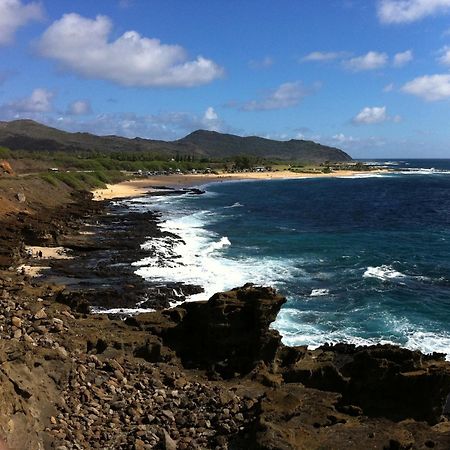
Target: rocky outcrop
pixel 72 380
pixel 382 380
pixel 230 335
pixel 230 332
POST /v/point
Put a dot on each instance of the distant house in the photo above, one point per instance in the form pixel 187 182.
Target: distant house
pixel 259 169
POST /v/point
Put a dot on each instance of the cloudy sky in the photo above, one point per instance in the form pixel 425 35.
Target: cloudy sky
pixel 371 77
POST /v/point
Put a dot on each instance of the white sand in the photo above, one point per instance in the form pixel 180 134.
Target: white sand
pixel 135 188
pixel 48 252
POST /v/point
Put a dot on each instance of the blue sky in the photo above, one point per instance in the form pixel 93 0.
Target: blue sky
pixel 371 77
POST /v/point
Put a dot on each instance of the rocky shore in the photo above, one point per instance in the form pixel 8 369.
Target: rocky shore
pixel 209 375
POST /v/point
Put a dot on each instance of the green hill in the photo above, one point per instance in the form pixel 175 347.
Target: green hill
pixel 32 136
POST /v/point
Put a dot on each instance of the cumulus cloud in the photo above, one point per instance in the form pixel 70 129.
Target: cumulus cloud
pixel 82 45
pixel 445 56
pixel 403 58
pixel 165 125
pixel 40 101
pixel 15 14
pixel 369 61
pixel 407 11
pixel 211 120
pixel 323 56
pixel 341 138
pixel 284 96
pixel 429 87
pixel 79 108
pixel 263 63
pixel 372 115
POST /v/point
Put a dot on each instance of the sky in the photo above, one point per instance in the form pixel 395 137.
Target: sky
pixel 371 77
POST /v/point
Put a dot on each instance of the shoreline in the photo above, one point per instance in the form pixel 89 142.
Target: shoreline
pixel 139 187
pixel 196 376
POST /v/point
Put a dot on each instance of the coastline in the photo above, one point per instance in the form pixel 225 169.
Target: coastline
pixel 138 187
pixel 202 375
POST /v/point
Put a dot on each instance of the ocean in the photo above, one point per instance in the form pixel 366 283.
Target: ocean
pixel 363 259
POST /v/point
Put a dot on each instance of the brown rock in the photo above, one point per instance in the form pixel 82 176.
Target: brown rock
pixel 41 314
pixel 229 332
pixel 168 442
pixel 16 321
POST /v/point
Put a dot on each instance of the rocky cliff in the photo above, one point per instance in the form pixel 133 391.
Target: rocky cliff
pixel 85 381
pixel 210 374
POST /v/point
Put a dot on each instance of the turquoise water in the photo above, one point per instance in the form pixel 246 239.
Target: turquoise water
pixel 362 260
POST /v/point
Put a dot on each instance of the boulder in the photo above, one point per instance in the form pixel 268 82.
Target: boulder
pixel 230 332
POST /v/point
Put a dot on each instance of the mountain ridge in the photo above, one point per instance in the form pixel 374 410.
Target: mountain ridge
pixel 26 134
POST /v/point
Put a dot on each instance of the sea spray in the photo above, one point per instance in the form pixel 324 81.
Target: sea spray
pixel 361 260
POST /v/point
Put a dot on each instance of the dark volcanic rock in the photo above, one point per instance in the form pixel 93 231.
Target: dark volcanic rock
pixel 229 333
pixel 383 380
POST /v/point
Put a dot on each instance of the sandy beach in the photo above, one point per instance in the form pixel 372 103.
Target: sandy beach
pixel 137 187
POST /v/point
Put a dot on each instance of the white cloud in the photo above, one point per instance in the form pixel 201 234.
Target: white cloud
pixel 369 61
pixel 445 56
pixel 341 138
pixel 81 44
pixel 263 63
pixel 429 87
pixel 165 125
pixel 13 15
pixel 211 120
pixel 40 101
pixel 389 87
pixel 371 115
pixel 210 114
pixel 403 58
pixel 284 96
pixel 79 108
pixel 323 56
pixel 407 11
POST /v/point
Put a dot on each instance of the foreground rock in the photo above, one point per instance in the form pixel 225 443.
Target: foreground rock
pixel 230 333
pixel 341 396
pixel 207 375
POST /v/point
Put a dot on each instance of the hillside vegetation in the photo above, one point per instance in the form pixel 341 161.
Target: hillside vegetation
pixel 35 137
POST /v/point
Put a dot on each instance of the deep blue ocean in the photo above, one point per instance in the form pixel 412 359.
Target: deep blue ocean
pixel 361 259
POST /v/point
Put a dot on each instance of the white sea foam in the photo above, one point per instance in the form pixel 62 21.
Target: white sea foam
pixel 383 272
pixel 234 205
pixel 198 257
pixel 382 163
pixel 319 292
pixel 364 175
pixel 291 324
pixel 223 242
pixel 126 311
pixel 428 342
pixel 422 171
pixel 297 330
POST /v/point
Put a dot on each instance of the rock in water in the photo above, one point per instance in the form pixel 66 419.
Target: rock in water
pixel 230 332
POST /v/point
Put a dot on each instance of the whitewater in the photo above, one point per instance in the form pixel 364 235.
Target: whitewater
pixel 360 259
